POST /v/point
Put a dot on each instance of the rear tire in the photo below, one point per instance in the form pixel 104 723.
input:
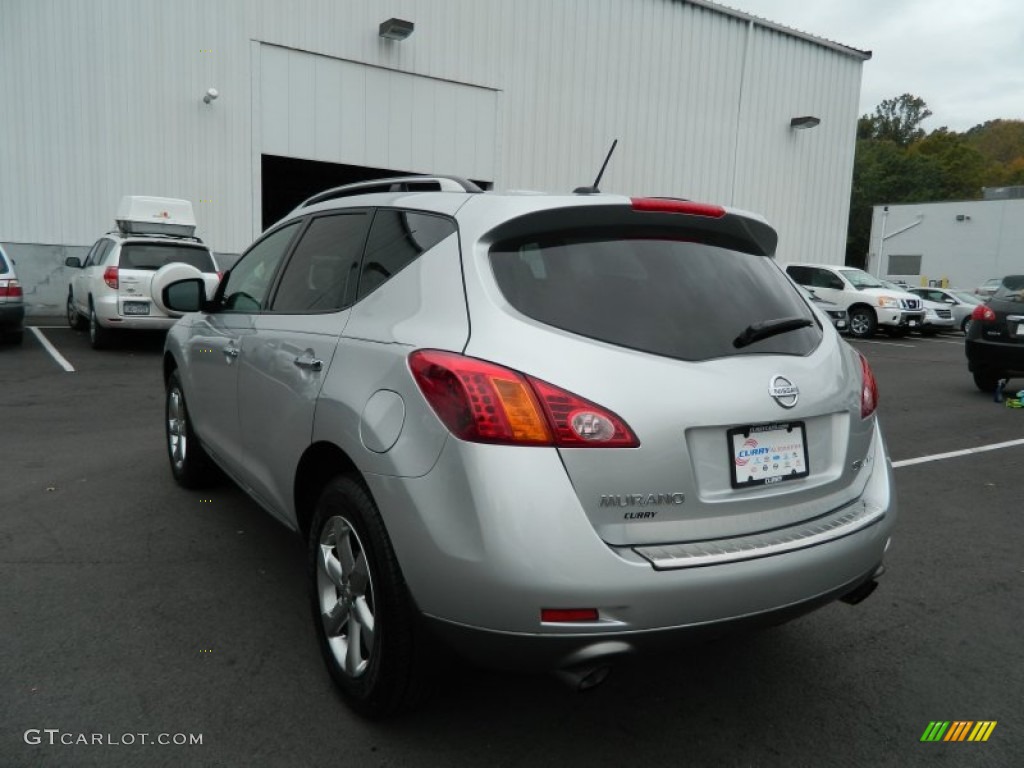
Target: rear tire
pixel 190 464
pixel 99 337
pixel 987 381
pixel 15 337
pixel 75 319
pixel 366 624
pixel 862 323
pixel 965 325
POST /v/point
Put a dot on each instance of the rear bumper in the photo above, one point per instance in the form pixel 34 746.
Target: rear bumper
pixel 996 356
pixel 108 312
pixel 12 316
pixel 540 652
pixel 494 534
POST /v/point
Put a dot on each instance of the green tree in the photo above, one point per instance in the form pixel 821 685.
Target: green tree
pixel 897 120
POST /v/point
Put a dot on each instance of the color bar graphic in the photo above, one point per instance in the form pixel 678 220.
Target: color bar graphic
pixel 958 730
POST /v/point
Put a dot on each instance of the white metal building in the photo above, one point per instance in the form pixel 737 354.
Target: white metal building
pixel 105 98
pixel 957 244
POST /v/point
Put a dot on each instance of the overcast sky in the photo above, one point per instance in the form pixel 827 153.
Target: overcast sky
pixel 965 59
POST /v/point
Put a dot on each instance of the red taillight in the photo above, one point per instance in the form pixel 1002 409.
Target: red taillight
pixel 10 289
pixel 568 614
pixel 868 389
pixel 984 313
pixel 110 276
pixel 667 205
pixel 486 403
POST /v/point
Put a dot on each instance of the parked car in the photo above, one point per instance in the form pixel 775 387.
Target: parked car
pixel 995 337
pixel 938 316
pixel 870 304
pixel 110 291
pixel 491 419
pixel 12 302
pixel 840 320
pixel 989 287
pixel 960 302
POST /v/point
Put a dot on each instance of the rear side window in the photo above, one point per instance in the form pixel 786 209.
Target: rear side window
pixel 321 274
pixel 679 299
pixel 153 256
pixel 3 264
pixel 397 238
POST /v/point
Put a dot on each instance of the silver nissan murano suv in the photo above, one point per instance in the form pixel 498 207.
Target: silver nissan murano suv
pixel 545 431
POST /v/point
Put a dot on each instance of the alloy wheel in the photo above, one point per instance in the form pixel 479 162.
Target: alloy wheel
pixel 346 599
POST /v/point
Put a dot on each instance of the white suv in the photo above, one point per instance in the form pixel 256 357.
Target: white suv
pixel 869 303
pixel 111 289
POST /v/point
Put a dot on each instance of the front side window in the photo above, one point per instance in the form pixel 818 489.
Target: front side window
pixel 321 274
pixel 247 285
pixel 397 238
pixel 676 298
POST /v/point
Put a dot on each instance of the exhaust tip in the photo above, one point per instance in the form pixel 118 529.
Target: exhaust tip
pixel 584 678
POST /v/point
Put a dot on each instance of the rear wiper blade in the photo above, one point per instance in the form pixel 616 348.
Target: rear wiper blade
pixel 767 328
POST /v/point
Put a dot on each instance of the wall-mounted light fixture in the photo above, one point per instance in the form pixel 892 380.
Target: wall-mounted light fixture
pixel 211 94
pixel 962 217
pixel 802 123
pixel 396 29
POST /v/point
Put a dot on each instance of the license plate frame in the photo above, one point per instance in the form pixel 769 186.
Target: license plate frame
pixel 767 454
pixel 135 308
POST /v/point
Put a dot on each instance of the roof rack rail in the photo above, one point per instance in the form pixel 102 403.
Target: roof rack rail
pixel 153 235
pixel 394 184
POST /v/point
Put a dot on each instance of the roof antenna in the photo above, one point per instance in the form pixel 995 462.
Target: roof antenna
pixel 594 190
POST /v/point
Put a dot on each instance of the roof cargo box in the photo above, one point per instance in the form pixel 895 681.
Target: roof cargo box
pixel 139 215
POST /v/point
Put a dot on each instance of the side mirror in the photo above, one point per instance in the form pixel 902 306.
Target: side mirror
pixel 73 261
pixel 185 295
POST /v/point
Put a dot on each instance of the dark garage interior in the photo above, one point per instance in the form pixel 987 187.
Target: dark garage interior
pixel 287 181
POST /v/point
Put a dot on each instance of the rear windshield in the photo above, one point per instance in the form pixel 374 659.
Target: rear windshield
pixel 1010 289
pixel 678 299
pixel 152 256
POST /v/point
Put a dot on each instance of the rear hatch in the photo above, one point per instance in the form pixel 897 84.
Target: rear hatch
pixel 1007 304
pixel 140 260
pixel 746 408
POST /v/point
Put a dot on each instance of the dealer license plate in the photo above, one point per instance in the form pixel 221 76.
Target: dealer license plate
pixel 136 307
pixel 763 454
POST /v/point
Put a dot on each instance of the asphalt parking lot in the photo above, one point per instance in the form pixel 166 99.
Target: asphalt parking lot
pixel 132 606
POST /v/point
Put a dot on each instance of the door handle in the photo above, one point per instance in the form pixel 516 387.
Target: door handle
pixel 310 362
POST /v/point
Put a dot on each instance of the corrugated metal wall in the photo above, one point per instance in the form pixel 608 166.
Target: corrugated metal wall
pixel 103 99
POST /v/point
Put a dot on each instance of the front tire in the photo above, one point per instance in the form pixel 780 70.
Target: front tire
pixel 190 465
pixel 366 624
pixel 863 323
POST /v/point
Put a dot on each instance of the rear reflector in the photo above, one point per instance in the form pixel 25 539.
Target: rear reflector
pixel 568 614
pixel 483 402
pixel 110 276
pixel 667 205
pixel 10 289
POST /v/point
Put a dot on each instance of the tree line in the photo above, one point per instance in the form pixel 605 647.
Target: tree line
pixel 897 162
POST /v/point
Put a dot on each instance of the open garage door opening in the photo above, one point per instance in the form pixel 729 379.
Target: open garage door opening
pixel 287 181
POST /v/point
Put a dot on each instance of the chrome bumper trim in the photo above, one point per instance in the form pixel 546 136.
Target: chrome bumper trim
pixel 810 533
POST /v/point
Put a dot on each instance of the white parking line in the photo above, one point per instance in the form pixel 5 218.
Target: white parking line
pixel 944 341
pixel 956 454
pixel 61 361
